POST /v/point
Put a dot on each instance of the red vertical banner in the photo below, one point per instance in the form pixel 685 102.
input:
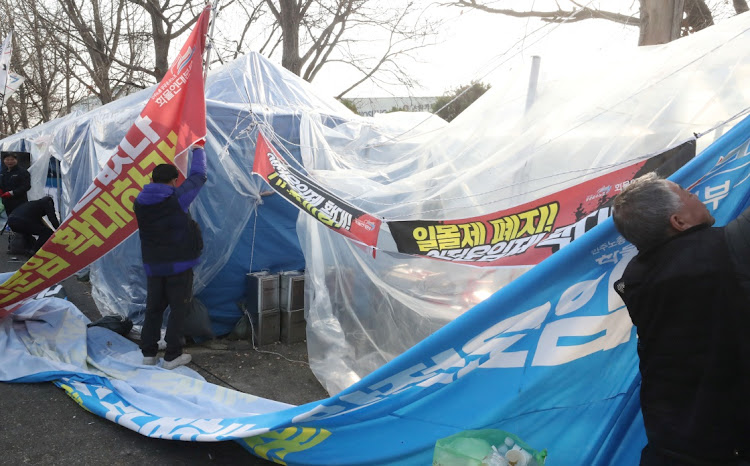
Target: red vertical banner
pixel 173 119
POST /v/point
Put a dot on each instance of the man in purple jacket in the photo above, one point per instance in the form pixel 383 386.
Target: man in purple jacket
pixel 171 245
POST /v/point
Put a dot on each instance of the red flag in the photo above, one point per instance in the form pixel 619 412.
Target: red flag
pixel 172 120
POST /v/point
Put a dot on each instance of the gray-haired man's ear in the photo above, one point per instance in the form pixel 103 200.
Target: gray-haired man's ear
pixel 678 223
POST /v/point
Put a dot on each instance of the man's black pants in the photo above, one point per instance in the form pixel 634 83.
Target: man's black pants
pixel 651 456
pixel 26 227
pixel 175 291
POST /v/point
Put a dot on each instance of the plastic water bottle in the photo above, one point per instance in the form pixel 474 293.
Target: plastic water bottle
pixel 517 456
pixel 494 458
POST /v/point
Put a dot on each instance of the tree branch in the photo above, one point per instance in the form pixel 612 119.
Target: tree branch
pixel 558 16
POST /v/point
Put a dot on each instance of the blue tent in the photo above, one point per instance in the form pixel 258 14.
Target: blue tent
pixel 243 231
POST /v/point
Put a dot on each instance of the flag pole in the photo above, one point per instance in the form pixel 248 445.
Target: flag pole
pixel 7 72
pixel 209 42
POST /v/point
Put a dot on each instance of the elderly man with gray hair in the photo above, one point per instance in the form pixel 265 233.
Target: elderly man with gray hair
pixel 688 294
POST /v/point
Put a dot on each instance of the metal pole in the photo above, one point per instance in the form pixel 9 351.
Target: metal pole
pixel 209 43
pixel 533 80
pixel 58 170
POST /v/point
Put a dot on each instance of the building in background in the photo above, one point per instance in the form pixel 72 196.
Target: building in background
pixel 368 106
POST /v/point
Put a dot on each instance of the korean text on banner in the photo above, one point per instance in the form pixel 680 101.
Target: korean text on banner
pixel 172 120
pixel 529 233
pixel 310 197
pixel 12 84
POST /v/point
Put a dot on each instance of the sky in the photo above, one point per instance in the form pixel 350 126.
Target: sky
pixel 474 45
pixel 481 46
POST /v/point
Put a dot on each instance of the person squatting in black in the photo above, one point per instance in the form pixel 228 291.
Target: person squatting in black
pixel 26 220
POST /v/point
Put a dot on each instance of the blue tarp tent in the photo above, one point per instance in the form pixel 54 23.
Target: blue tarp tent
pixel 239 226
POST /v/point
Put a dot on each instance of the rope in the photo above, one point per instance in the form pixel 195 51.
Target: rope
pixel 252 245
pixel 244 309
pixel 739 114
pixel 215 376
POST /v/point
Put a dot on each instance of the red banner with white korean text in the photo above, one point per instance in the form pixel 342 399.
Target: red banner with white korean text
pixel 308 196
pixel 529 233
pixel 173 119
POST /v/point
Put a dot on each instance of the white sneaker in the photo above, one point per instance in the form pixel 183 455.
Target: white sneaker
pixel 180 360
pixel 150 360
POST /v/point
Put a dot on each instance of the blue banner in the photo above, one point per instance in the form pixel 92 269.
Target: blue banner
pixel 551 357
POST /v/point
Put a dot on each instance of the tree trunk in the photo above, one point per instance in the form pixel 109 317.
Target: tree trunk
pixel 697 16
pixel 290 24
pixel 161 51
pixel 660 21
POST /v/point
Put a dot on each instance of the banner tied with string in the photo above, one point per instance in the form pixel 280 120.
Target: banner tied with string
pixel 529 233
pixel 172 120
pixel 310 197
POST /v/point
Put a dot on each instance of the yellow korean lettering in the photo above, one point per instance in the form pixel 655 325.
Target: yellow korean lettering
pixel 425 238
pixel 127 195
pixel 285 441
pixel 448 236
pixel 166 149
pixel 113 209
pixel 47 264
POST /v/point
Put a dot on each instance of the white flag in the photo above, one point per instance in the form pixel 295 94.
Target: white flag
pixel 12 84
pixel 7 50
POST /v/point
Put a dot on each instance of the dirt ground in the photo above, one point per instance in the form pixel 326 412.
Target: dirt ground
pixel 41 425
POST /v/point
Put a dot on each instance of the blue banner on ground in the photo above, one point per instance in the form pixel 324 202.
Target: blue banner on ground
pixel 551 357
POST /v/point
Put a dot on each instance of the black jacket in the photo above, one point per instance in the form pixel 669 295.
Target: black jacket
pixel 17 180
pixel 686 298
pixel 33 211
pixel 168 233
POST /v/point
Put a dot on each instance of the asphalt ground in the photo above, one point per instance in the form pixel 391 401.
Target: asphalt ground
pixel 41 425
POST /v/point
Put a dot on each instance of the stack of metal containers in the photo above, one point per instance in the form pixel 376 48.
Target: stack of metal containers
pixel 276 306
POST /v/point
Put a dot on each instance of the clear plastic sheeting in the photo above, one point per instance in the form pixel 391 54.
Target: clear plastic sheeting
pixel 362 312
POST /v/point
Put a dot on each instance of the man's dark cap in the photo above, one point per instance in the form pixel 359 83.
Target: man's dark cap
pixel 164 173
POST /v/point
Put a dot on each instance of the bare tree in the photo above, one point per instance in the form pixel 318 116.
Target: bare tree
pixel 314 33
pixel 43 65
pixel 168 21
pixel 656 19
pixel 400 39
pixel 37 59
pixel 69 51
pixel 577 12
pixel 253 11
pixel 98 30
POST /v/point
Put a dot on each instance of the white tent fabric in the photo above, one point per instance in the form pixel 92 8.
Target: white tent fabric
pixel 364 312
